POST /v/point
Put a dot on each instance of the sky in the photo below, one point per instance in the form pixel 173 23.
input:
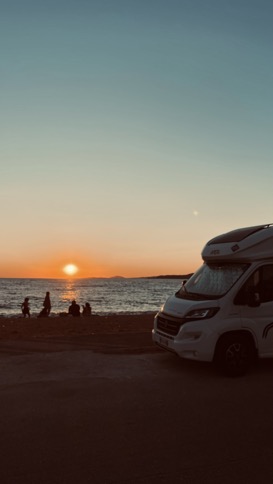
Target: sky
pixel 131 132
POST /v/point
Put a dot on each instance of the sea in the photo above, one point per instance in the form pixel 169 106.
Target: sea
pixel 106 296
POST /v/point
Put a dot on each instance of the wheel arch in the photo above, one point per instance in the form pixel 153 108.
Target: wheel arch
pixel 235 333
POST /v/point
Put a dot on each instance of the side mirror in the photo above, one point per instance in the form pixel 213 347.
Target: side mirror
pixel 253 298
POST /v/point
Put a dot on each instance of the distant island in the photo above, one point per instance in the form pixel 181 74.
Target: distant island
pixel 171 276
pixel 166 276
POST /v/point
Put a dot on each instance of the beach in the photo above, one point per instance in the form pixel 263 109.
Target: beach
pixel 106 334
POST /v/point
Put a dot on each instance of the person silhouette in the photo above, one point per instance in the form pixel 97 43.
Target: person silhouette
pixel 47 304
pixel 25 307
pixel 86 310
pixel 74 309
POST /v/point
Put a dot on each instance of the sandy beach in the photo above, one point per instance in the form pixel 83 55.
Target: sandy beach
pixel 106 334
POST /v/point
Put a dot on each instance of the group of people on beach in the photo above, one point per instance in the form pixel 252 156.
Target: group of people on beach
pixel 73 310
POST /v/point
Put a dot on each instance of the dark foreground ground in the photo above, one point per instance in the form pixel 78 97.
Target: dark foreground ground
pixel 37 328
pixel 109 408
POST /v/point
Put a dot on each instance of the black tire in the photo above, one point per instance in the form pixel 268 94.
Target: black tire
pixel 234 354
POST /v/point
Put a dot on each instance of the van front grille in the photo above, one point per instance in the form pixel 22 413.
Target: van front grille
pixel 168 325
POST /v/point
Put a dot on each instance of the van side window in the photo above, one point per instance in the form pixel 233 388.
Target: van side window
pixel 265 286
pixel 260 282
pixel 249 286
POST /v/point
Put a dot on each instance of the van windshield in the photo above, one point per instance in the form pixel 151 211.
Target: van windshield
pixel 212 281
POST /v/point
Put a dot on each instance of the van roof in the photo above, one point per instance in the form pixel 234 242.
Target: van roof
pixel 244 244
pixel 237 235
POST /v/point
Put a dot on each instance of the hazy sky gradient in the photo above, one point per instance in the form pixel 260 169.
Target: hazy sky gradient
pixel 132 132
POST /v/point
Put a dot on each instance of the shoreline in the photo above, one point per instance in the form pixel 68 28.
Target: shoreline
pixel 35 315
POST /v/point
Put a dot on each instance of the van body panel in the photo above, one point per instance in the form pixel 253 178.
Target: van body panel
pixel 260 322
pixel 180 307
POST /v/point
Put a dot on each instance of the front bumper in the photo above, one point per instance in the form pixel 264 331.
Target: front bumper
pixel 193 341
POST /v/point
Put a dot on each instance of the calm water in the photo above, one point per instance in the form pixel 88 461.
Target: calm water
pixel 106 296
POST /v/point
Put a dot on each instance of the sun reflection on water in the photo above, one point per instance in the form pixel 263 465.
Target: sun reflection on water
pixel 69 292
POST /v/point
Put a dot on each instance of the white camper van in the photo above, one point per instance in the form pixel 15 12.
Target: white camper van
pixel 224 312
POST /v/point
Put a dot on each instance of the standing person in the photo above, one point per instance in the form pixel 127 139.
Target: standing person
pixel 25 307
pixel 46 307
pixel 47 304
pixel 74 309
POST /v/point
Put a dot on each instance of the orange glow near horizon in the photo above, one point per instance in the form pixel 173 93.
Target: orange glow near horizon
pixel 78 264
pixel 80 270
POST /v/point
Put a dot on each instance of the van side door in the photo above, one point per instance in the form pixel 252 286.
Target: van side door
pixel 256 301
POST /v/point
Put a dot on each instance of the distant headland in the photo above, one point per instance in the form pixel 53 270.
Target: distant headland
pixel 171 276
pixel 166 276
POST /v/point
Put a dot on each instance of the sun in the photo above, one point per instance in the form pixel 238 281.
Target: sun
pixel 70 269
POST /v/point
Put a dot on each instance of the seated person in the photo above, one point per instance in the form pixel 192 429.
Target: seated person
pixel 86 310
pixel 74 309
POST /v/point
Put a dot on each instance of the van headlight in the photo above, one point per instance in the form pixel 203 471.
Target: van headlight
pixel 202 313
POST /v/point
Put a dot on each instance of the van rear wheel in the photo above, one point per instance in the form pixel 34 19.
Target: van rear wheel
pixel 234 354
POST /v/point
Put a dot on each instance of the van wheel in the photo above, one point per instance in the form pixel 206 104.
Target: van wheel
pixel 234 354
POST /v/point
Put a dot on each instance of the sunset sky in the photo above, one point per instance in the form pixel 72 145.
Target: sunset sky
pixel 132 131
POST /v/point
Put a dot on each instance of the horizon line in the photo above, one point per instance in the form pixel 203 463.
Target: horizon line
pixel 178 276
